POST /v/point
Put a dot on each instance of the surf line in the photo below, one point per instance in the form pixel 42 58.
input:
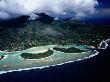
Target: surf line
pixel 42 67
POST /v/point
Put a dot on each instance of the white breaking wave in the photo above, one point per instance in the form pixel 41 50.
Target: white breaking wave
pixel 104 43
pixel 2 72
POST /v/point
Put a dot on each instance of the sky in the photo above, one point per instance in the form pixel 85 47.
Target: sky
pixel 58 8
pixel 103 9
pixel 104 3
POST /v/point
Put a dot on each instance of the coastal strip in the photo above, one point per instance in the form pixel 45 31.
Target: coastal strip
pixel 96 53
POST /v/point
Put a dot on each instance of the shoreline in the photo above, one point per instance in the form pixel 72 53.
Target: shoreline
pixel 26 69
pixel 105 42
pixel 50 56
pixel 5 56
pixel 46 66
pixel 36 47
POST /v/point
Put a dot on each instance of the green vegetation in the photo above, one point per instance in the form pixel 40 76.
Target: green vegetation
pixel 61 32
pixel 69 50
pixel 37 56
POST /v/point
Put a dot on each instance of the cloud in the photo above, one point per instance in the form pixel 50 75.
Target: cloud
pixel 4 15
pixel 15 8
pixel 50 31
pixel 101 13
pixel 104 12
pixel 33 17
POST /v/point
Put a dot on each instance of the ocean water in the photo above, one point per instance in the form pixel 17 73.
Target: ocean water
pixel 92 69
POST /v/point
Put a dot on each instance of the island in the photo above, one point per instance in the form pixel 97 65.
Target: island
pixel 58 32
pixel 37 56
pixel 69 50
pixel 38 44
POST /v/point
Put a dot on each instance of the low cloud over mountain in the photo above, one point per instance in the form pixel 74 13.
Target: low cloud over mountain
pixel 16 8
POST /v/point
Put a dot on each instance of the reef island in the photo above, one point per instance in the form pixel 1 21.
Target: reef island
pixel 49 42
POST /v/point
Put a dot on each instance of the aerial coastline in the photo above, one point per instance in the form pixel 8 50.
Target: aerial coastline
pixel 44 66
pixel 40 45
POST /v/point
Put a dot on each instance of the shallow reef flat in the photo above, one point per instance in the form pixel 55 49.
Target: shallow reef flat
pixel 49 56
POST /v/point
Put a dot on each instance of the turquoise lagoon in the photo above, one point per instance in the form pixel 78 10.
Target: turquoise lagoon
pixel 14 62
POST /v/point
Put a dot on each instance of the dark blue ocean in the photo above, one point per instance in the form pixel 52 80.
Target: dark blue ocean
pixel 94 69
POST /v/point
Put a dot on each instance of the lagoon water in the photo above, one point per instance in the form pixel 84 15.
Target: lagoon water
pixel 14 62
pixel 91 69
